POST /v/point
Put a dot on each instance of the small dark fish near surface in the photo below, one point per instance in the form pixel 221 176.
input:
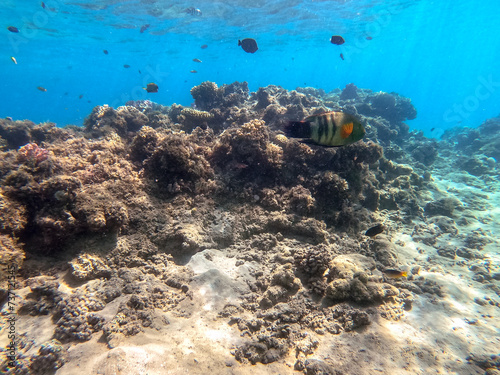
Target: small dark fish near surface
pixel 197 60
pixel 337 39
pixel 342 56
pixel 373 231
pixel 145 27
pixel 249 45
pixel 105 51
pixel 41 88
pixel 126 66
pixel 327 129
pixel 395 274
pixel 368 37
pixel 151 87
pixel 193 11
pixel 43 5
pixel 204 46
pixel 13 29
pixel 193 71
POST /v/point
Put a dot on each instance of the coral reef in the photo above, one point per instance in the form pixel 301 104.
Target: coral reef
pixel 105 119
pixel 132 223
pixel 50 357
pixel 88 267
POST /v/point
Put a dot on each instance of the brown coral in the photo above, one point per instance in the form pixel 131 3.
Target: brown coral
pixel 206 95
pixel 191 118
pixel 178 164
pixel 105 119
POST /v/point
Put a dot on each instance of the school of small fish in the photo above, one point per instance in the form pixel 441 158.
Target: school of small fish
pixel 334 135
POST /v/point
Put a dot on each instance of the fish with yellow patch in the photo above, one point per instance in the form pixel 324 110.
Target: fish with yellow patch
pixel 330 129
pixel 395 274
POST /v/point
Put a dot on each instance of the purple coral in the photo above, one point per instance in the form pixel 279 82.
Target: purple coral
pixel 32 152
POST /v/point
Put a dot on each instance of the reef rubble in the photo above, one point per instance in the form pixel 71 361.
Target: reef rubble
pixel 154 220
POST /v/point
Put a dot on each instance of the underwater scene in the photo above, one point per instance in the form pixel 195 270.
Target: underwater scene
pixel 250 187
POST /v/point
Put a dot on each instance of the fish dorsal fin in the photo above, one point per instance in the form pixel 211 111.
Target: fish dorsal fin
pixel 346 130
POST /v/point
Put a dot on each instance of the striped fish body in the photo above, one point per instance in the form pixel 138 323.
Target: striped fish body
pixel 335 129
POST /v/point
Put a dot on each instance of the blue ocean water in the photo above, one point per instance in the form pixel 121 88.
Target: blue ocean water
pixel 443 55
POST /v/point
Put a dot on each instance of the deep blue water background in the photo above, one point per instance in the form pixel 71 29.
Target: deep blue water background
pixel 444 55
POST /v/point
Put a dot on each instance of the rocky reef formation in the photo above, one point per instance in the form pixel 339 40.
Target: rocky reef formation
pixel 106 222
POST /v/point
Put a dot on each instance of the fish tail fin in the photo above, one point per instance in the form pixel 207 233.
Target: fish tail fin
pixel 404 274
pixel 298 129
pixel 239 42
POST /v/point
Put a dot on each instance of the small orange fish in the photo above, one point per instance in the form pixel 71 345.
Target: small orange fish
pixel 395 274
pixel 41 88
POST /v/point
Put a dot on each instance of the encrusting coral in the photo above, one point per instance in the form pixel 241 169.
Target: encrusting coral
pixel 124 203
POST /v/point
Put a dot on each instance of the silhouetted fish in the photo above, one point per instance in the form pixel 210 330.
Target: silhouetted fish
pixel 13 59
pixel 126 66
pixel 368 37
pixel 151 87
pixel 197 60
pixel 43 5
pixel 105 51
pixel 249 45
pixel 204 46
pixel 373 231
pixel 193 71
pixel 337 39
pixel 81 96
pixel 13 29
pixel 193 11
pixel 144 27
pixel 342 56
pixel 41 88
